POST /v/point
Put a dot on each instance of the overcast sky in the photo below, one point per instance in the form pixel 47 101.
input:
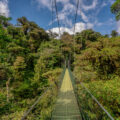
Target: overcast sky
pixel 93 14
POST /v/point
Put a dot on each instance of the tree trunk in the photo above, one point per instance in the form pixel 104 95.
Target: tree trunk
pixel 7 88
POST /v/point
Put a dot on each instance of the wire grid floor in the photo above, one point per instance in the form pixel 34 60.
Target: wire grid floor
pixel 66 107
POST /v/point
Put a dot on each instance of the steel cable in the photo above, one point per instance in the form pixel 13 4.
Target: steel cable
pixel 74 30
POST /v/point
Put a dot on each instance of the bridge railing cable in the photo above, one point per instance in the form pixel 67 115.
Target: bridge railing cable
pixel 59 86
pixel 50 94
pixel 34 105
pixel 90 107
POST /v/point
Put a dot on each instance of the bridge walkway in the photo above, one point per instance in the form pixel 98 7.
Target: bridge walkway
pixel 66 107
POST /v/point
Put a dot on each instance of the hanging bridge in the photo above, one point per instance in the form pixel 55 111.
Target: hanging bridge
pixel 66 106
pixel 73 102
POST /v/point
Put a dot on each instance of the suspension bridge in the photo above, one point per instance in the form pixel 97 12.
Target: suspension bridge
pixel 66 106
pixel 74 101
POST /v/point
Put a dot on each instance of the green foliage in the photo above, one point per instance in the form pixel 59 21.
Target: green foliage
pixel 51 51
pixel 4 38
pixel 19 68
pixel 98 67
pixel 104 56
pixel 4 106
pixel 23 91
pixel 115 9
pixel 27 54
pixel 36 37
pixel 114 33
pixel 67 44
pixel 45 107
pixel 35 34
pixel 107 93
pixel 52 35
pixel 86 35
pixel 2 74
pixel 30 61
pixel 5 21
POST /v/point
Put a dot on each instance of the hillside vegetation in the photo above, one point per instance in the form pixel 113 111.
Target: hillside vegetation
pixel 98 67
pixel 29 64
pixel 31 61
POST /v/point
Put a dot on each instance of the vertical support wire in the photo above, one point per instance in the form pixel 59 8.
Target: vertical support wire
pixel 52 8
pixel 52 17
pixel 76 15
pixel 55 3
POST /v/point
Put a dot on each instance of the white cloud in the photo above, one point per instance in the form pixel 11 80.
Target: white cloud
pixel 67 13
pixel 89 7
pixel 104 4
pixel 68 9
pixel 82 26
pixel 63 1
pixel 79 27
pixel 111 1
pixel 44 3
pixel 97 23
pixel 4 10
pixel 47 3
pixel 118 27
pixel 84 17
pixel 90 25
pixel 62 29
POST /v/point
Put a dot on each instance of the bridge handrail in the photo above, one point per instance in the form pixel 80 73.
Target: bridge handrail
pixel 92 96
pixel 33 106
pixel 40 97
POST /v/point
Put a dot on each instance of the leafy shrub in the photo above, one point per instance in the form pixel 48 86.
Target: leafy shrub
pixel 104 56
pixel 23 91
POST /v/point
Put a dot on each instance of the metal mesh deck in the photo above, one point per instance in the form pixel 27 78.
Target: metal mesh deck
pixel 66 107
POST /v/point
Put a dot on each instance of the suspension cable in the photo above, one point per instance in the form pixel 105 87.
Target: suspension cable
pixel 76 14
pixel 55 3
pixel 57 17
pixel 52 8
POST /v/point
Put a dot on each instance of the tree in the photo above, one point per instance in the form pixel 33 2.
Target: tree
pixel 15 32
pixel 24 23
pixel 104 56
pixel 27 54
pixel 37 36
pixel 86 35
pixel 114 33
pixel 33 33
pixel 5 21
pixel 4 38
pixel 115 9
pixel 52 34
pixel 9 73
pixel 5 76
pixel 2 75
pixel 19 68
pixel 106 35
pixel 67 44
